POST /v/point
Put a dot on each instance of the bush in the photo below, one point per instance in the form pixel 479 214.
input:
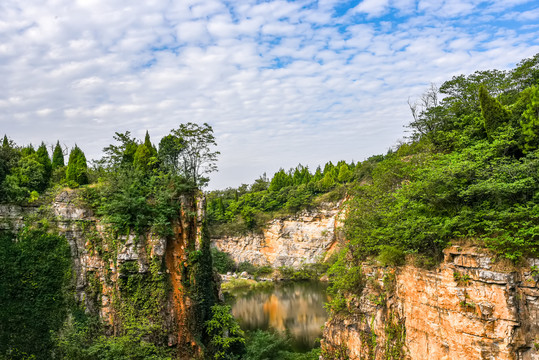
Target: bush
pixel 263 271
pixel 227 339
pixel 247 267
pixel 222 262
pixel 265 345
pixel 390 256
pixel 305 272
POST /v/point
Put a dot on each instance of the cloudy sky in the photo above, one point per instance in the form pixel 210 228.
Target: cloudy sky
pixel 281 82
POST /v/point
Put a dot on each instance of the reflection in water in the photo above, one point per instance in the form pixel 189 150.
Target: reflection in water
pixel 296 308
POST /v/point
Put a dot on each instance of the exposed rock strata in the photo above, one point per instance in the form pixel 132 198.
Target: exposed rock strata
pixel 467 308
pixel 98 257
pixel 292 240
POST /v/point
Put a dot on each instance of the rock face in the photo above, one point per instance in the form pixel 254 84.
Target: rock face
pixel 303 238
pixel 466 308
pixel 101 260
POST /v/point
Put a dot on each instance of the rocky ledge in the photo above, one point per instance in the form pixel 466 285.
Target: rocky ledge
pixel 467 308
pixel 306 237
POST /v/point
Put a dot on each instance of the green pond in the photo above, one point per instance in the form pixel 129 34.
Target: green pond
pixel 293 308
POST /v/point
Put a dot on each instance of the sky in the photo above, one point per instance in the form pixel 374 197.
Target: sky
pixel 280 82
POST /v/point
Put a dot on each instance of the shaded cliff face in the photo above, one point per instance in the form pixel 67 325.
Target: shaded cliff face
pixel 467 308
pixel 116 276
pixel 303 238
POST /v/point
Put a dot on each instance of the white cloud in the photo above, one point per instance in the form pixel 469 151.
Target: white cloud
pixel 281 82
pixel 372 7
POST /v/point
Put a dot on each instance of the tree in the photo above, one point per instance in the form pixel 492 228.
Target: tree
pixel 188 150
pixel 227 337
pixel 530 119
pixel 57 157
pixel 122 155
pixel 494 113
pixel 526 74
pixel 149 145
pixel 345 174
pixel 29 174
pixel 426 119
pixel 260 184
pixel 9 157
pixel 280 180
pixel 43 158
pixel 170 148
pixel 27 150
pixel 142 158
pixel 77 169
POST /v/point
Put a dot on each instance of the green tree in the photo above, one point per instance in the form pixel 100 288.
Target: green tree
pixel 43 158
pixel 494 113
pixel 530 120
pixel 29 173
pixel 149 145
pixel 122 155
pixel 227 338
pixel 77 169
pixel 345 174
pixel 170 148
pixel 57 157
pixel 280 180
pixel 195 159
pixel 9 157
pixel 142 160
pixel 28 150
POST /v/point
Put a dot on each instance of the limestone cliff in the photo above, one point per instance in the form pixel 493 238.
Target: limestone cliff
pixel 103 261
pixel 466 308
pixel 292 240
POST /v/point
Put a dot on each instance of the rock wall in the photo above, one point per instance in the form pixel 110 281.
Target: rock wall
pixel 99 258
pixel 306 237
pixel 466 308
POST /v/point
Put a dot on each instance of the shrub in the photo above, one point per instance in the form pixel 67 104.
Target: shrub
pixel 222 262
pixel 227 339
pixel 247 267
pixel 390 256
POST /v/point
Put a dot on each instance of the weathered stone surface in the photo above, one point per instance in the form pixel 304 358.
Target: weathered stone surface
pixel 463 309
pixel 12 216
pixel 303 238
pixel 97 264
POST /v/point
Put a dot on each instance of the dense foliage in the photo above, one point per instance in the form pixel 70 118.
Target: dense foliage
pixel 35 273
pixel 26 173
pixel 136 189
pixel 139 187
pixel 265 345
pixel 239 210
pixel 470 173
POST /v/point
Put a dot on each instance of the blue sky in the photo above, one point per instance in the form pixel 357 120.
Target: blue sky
pixel 281 82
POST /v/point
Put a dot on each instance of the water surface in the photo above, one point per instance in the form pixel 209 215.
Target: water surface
pixel 296 308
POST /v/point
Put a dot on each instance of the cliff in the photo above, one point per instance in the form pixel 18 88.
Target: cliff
pixel 306 237
pixel 127 280
pixel 466 308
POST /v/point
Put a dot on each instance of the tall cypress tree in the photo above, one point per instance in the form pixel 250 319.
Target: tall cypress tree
pixel 149 144
pixel 77 169
pixel 43 158
pixel 57 156
pixel 28 150
pixel 493 112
